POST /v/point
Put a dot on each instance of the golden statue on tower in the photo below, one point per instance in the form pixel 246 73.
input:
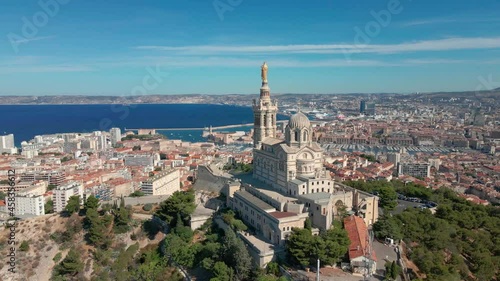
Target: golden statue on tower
pixel 264 72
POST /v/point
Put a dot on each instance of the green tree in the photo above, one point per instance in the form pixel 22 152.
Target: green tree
pixel 299 246
pixel 91 203
pixel 122 218
pixel 235 255
pixel 387 227
pixel 99 233
pixel 181 202
pixel 2 194
pixel 49 207
pixel 70 265
pixel 179 250
pixel 222 272
pixel 308 224
pixel 73 205
pixel 395 269
pixel 273 268
pixel 388 198
pixel 336 244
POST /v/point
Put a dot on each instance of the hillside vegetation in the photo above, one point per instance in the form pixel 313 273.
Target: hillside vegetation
pixel 461 241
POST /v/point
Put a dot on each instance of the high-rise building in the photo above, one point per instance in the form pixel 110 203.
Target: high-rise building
pixel 164 183
pixel 116 135
pixel 100 139
pixel 371 109
pixel 7 144
pixel 362 106
pixel 62 194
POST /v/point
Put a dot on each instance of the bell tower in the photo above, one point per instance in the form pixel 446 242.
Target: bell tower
pixel 264 112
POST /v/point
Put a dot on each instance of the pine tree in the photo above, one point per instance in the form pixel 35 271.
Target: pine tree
pixel 91 203
pixel 122 202
pixel 71 264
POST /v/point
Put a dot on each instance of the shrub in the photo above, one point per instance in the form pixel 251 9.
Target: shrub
pixel 147 207
pixel 57 257
pixel 25 246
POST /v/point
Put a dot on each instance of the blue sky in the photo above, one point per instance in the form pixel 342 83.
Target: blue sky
pixel 216 47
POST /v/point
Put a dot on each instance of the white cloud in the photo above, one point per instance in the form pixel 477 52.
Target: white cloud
pixel 459 43
pixel 26 40
pixel 45 68
pixel 428 22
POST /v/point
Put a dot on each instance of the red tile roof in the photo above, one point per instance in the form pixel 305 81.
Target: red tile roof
pixel 280 215
pixel 358 234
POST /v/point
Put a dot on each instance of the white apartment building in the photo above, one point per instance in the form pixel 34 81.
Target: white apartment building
pixel 144 160
pixel 115 135
pixel 29 204
pixel 64 192
pixel 164 183
pixel 7 144
pixel 422 170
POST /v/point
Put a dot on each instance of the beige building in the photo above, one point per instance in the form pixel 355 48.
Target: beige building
pixel 62 193
pixel 164 183
pixel 291 181
pixel 273 225
pixel 293 166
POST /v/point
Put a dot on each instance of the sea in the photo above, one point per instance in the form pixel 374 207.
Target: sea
pixel 27 121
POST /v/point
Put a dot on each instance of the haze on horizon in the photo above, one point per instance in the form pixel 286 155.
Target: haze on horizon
pixel 75 47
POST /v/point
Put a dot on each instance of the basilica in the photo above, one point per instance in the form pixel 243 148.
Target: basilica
pixel 293 166
pixel 289 182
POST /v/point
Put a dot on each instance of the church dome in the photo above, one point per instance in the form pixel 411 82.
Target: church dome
pixel 299 121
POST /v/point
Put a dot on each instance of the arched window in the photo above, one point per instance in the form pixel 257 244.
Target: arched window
pixel 296 136
pixel 305 136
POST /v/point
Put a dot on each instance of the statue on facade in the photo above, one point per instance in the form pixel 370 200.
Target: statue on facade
pixel 264 72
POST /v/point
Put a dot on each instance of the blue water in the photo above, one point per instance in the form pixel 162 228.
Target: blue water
pixel 27 121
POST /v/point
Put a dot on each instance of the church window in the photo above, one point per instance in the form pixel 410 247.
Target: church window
pixel 312 183
pixel 284 228
pixel 265 120
pixel 305 136
pixel 323 182
pixel 328 183
pixel 322 189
